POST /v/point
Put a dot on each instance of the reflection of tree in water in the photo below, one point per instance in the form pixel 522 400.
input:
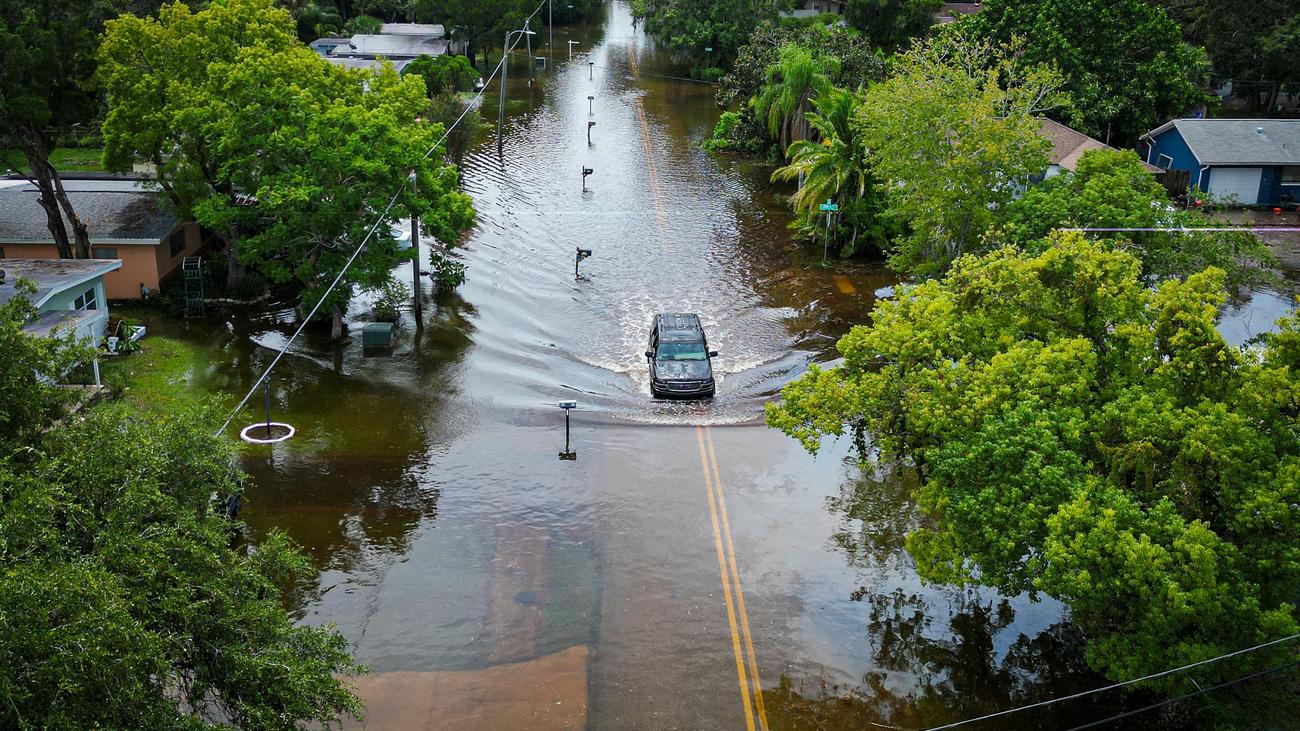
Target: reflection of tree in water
pixel 355 485
pixel 940 653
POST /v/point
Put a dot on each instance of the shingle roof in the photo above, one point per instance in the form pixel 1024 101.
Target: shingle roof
pixel 51 275
pixel 413 29
pixel 112 209
pixel 1068 145
pixel 1239 141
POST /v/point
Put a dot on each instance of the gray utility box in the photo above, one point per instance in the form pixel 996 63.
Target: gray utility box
pixel 378 334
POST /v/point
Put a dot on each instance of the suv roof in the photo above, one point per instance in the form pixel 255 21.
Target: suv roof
pixel 679 326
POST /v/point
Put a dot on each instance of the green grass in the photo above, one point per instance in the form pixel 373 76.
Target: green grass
pixel 157 377
pixel 64 159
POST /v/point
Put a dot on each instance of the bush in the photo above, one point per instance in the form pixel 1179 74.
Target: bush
pixel 388 304
pixel 447 271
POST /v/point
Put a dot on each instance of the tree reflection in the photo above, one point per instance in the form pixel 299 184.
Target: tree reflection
pixel 939 654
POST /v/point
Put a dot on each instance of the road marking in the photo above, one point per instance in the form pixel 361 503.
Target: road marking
pixel 731 582
pixel 740 593
pixel 661 219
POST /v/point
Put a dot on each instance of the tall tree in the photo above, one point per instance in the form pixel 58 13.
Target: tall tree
pixel 1113 189
pixel 46 69
pixel 793 82
pixel 891 24
pixel 836 168
pixel 1125 63
pixel 291 159
pixel 952 134
pixel 1082 435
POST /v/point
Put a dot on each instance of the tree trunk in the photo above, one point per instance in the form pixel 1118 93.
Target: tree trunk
pixel 234 270
pixel 53 198
pixel 336 327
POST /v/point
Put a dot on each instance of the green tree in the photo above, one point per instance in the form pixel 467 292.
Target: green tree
pixel 891 24
pixel 835 167
pixel 29 403
pixel 1112 189
pixel 46 65
pixel 1081 435
pixel 123 604
pixel 859 65
pixel 689 28
pixel 793 82
pixel 952 134
pixel 362 25
pixel 1125 63
pixel 291 159
pixel 443 74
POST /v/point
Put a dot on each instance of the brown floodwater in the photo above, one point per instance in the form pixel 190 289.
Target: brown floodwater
pixel 489 584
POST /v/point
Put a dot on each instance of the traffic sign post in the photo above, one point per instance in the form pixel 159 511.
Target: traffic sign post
pixel 829 208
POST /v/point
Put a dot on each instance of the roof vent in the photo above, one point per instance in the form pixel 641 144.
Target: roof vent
pixel 1259 130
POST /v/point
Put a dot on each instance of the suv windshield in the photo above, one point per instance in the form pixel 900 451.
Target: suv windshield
pixel 681 351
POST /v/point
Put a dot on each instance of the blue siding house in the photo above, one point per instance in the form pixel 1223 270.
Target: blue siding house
pixel 1254 162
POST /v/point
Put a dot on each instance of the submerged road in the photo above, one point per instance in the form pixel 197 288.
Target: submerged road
pixel 691 569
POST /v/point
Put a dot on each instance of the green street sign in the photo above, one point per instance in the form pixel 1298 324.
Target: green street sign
pixel 828 206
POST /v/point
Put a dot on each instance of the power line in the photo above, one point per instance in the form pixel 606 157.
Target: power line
pixel 380 219
pixel 1188 230
pixel 1113 686
pixel 1194 693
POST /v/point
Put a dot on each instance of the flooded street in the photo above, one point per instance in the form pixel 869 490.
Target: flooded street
pixel 691 568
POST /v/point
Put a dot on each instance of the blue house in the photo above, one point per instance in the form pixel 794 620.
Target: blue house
pixel 1255 162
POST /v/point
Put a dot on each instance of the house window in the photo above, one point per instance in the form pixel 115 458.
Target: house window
pixel 1164 161
pixel 177 242
pixel 86 301
pixel 103 252
pixel 1291 175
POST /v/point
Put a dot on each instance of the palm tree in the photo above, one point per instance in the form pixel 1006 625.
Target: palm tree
pixel 835 167
pixel 793 82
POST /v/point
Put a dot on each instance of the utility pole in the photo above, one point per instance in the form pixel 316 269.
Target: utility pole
pixel 505 65
pixel 418 309
pixel 550 34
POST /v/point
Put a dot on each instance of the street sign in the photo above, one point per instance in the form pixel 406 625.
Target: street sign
pixel 829 207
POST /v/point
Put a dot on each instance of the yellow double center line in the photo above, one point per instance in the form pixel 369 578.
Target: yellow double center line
pixel 737 617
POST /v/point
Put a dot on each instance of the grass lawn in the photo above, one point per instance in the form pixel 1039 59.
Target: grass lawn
pixel 157 377
pixel 64 159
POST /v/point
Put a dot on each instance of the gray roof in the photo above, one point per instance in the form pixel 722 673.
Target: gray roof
pixel 1239 141
pixel 413 29
pixel 49 323
pixel 391 46
pixel 51 275
pixel 112 209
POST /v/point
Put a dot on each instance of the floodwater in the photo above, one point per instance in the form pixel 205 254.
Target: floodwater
pixel 690 568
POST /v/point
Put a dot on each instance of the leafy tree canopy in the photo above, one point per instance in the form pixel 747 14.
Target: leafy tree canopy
pixel 292 159
pixel 1125 63
pixel 122 603
pixel 1112 188
pixel 1081 435
pixel 891 24
pixel 690 27
pixel 951 135
pixel 443 74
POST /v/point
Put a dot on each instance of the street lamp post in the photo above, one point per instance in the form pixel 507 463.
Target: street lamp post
pixel 589 126
pixel 505 64
pixel 550 35
pixel 829 207
pixel 590 99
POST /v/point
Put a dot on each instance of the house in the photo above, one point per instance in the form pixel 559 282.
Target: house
pixel 323 46
pixel 125 220
pixel 813 8
pixel 950 12
pixel 392 47
pixel 1068 146
pixel 1251 161
pixel 69 297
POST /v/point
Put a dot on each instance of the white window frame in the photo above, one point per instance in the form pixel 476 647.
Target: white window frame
pixel 1160 161
pixel 1295 175
pixel 87 300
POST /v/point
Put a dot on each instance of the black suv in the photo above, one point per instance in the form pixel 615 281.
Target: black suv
pixel 679 357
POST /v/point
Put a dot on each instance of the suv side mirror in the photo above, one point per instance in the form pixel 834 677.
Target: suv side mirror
pixel 713 354
pixel 649 354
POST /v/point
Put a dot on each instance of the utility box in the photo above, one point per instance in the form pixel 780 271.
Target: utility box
pixel 378 334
